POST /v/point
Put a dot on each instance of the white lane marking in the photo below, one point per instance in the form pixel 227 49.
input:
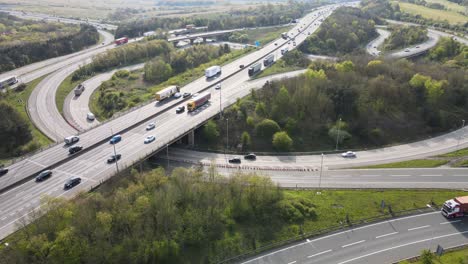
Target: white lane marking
pixel 419 227
pixel 3 218
pixel 292 262
pixel 405 175
pixel 431 175
pixel 450 222
pixel 336 234
pixel 389 234
pixel 459 175
pixel 318 254
pixel 370 175
pixel 403 245
pixel 38 164
pixel 355 243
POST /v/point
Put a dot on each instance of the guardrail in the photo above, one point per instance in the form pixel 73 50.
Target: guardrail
pixel 346 224
pixel 163 110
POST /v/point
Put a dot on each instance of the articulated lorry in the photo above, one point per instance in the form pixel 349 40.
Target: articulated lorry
pixel 198 101
pixel 212 71
pixel 455 207
pixel 269 60
pixel 166 92
pixel 254 69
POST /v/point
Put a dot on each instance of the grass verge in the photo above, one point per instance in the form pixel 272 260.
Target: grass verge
pixel 440 15
pixel 455 154
pixel 278 67
pixel 19 100
pixel 459 256
pixel 420 163
pixel 63 90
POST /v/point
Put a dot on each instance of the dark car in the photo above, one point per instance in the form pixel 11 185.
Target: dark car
pixel 180 109
pixel 185 95
pixel 115 139
pixel 235 160
pixel 43 175
pixel 75 149
pixel 3 171
pixel 250 156
pixel 241 66
pixel 114 158
pixel 72 183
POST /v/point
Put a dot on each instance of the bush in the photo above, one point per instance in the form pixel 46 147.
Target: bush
pixel 267 128
pixel 282 141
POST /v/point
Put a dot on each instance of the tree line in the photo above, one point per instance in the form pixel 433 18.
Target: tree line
pixel 265 15
pixel 189 217
pixel 14 131
pixel 403 36
pixel 27 42
pixel 344 31
pixel 451 52
pixel 360 102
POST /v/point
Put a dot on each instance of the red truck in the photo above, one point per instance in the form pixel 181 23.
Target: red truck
pixel 198 101
pixel 121 41
pixel 455 207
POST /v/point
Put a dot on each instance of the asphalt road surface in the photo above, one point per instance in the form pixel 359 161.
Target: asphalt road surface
pixel 373 46
pixel 384 242
pixel 91 166
pixel 41 68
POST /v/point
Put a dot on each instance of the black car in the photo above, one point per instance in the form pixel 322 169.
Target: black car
pixel 180 109
pixel 71 183
pixel 114 158
pixel 241 66
pixel 250 156
pixel 3 171
pixel 75 149
pixel 235 160
pixel 43 175
pixel 185 95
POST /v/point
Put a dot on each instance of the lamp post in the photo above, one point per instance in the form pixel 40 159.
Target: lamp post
pixel 227 133
pixel 320 175
pixel 338 134
pixel 220 109
pixel 167 155
pixel 459 134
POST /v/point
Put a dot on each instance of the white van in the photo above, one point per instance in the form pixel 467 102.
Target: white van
pixel 71 139
pixel 90 116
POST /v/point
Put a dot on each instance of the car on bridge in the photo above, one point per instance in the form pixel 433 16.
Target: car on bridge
pixel 71 140
pixel 348 154
pixel 74 149
pixel 235 160
pixel 3 171
pixel 250 156
pixel 72 183
pixel 150 126
pixel 114 158
pixel 149 139
pixel 43 175
pixel 115 139
pixel 185 95
pixel 180 109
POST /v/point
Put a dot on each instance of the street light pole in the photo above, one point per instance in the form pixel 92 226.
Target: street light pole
pixel 227 133
pixel 338 134
pixel 320 176
pixel 220 109
pixel 459 134
pixel 167 155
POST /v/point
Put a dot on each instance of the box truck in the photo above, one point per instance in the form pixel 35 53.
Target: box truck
pixel 167 92
pixel 269 60
pixel 79 89
pixel 200 100
pixel 455 207
pixel 255 68
pixel 212 71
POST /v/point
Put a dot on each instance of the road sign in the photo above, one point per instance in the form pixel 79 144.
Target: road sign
pixel 382 204
pixel 440 250
pixel 257 43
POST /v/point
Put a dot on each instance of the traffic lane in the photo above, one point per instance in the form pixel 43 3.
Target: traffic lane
pixel 417 48
pixel 373 46
pixel 127 117
pixel 355 242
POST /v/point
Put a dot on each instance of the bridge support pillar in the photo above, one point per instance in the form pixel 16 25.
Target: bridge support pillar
pixel 191 138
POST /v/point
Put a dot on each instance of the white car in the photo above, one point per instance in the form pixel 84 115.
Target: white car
pixel 150 126
pixel 90 116
pixel 149 139
pixel 348 154
pixel 218 86
pixel 406 50
pixel 195 95
pixel 177 95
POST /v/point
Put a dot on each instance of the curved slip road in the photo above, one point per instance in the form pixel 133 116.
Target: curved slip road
pixel 91 165
pixel 41 68
pixel 75 108
pixel 373 47
pixel 384 242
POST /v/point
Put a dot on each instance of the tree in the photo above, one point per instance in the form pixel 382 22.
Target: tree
pixel 282 141
pixel 419 80
pixel 427 257
pixel 14 130
pixel 210 131
pixel 157 71
pixel 245 140
pixel 260 109
pixel 267 128
pixel 339 131
pixel 345 66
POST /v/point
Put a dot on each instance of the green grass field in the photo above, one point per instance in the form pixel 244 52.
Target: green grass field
pixel 458 153
pixel 421 163
pixel 19 100
pixel 451 16
pixel 449 5
pixel 265 35
pixel 331 206
pixel 452 257
pixel 63 90
pixel 278 67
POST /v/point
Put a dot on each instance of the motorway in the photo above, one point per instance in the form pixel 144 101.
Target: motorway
pixel 373 46
pixel 91 165
pixel 383 242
